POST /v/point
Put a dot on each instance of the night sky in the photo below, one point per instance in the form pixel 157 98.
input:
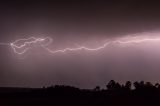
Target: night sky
pixel 76 22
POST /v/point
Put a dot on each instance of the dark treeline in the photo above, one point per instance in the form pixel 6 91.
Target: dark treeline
pixel 128 94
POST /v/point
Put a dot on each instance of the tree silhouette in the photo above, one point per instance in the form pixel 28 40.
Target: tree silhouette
pixel 128 85
pixel 115 94
pixel 157 85
pixel 97 88
pixel 112 85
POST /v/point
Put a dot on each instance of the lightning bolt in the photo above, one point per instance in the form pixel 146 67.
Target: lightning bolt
pixel 103 46
pixel 28 44
pixel 21 46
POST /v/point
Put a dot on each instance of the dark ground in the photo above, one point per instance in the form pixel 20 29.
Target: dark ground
pixel 144 93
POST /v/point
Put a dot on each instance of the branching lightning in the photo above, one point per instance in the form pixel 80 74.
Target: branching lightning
pixel 27 44
pixel 34 40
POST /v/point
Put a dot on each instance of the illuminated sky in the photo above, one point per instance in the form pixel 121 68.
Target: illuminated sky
pixel 130 27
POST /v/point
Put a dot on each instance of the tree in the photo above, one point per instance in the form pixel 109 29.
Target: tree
pixel 157 85
pixel 139 85
pixel 128 85
pixel 113 85
pixel 97 88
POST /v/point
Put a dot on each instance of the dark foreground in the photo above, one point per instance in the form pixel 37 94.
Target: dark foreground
pixel 115 94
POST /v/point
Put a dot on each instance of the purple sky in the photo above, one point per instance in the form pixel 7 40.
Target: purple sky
pixel 85 23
